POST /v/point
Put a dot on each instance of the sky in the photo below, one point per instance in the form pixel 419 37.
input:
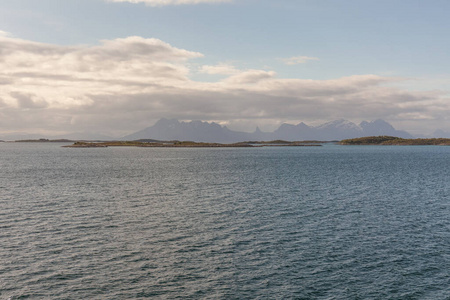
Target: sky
pixel 117 66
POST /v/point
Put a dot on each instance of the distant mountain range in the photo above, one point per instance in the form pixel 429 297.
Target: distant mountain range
pixel 198 131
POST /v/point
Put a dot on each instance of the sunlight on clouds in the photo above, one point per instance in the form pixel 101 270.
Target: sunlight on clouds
pixel 220 69
pixel 298 60
pixel 128 83
pixel 4 34
pixel 112 66
pixel 171 2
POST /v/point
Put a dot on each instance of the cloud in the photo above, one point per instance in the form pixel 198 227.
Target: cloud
pixel 171 2
pixel 4 80
pixel 28 101
pixel 123 85
pixel 298 60
pixel 220 69
pixel 4 33
pixel 62 73
pixel 250 76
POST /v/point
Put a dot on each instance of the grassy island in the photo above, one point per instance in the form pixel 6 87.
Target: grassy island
pixel 188 144
pixel 396 141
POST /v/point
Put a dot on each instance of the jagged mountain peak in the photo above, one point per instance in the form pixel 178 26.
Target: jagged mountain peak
pixel 339 124
pixel 285 126
pixel 201 131
pixel 166 122
pixel 379 123
pixel 381 127
pixel 302 125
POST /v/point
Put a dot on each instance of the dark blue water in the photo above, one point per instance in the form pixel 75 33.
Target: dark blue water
pixel 332 222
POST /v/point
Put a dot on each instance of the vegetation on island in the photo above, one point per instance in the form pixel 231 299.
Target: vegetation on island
pixel 186 144
pixel 396 141
pixel 284 143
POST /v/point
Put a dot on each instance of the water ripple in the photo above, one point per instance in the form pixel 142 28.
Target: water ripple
pixel 284 223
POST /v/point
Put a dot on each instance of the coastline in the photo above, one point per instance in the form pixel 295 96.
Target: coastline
pixel 189 144
pixel 394 141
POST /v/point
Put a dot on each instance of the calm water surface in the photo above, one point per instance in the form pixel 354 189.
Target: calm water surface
pixel 331 222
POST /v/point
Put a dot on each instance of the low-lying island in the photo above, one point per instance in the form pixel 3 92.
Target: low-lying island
pixel 189 144
pixel 395 141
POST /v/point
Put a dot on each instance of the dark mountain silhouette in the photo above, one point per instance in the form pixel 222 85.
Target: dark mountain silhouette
pixel 198 131
pixel 297 132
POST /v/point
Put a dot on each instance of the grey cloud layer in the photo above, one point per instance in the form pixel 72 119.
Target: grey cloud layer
pixel 125 84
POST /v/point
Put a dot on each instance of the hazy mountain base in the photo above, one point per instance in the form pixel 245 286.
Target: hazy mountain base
pixel 199 131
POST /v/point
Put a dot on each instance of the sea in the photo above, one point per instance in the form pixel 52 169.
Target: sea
pixel 330 222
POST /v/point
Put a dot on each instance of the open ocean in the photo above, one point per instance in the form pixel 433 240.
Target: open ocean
pixel 331 222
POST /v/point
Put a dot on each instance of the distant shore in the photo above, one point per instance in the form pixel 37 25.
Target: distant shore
pixel 369 140
pixel 395 141
pixel 45 141
pixel 189 144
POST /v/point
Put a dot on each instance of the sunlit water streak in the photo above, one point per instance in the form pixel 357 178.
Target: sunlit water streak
pixel 332 222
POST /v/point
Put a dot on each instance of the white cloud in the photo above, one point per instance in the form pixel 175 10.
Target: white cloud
pixel 4 33
pixel 171 2
pixel 298 60
pixel 250 76
pixel 123 85
pixel 62 73
pixel 220 69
